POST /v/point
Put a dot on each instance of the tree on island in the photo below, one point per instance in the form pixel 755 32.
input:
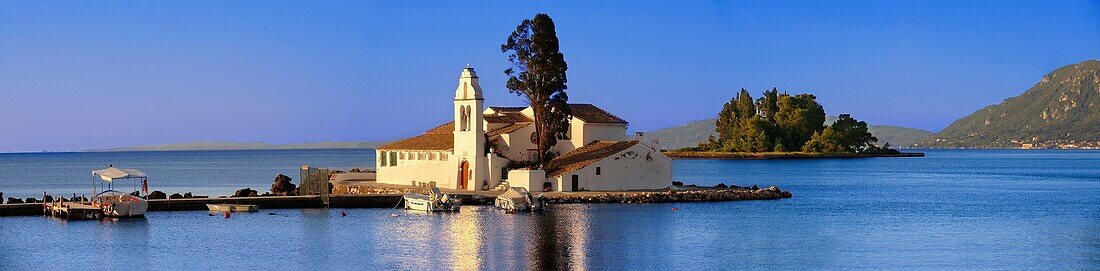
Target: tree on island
pixel 777 122
pixel 538 74
pixel 846 135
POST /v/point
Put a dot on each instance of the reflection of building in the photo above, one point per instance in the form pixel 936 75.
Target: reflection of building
pixel 482 146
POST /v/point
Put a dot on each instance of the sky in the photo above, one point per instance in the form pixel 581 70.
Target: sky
pixel 95 74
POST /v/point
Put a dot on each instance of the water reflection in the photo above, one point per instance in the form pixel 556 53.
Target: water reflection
pixel 465 235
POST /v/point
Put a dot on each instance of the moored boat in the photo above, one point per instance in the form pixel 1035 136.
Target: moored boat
pixel 518 199
pixel 434 201
pixel 119 204
pixel 233 207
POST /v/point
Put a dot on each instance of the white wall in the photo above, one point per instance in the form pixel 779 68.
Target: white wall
pixel 516 144
pixel 532 180
pixel 638 167
pixel 443 172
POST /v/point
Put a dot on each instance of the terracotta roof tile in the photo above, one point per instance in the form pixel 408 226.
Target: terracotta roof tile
pixel 513 109
pixel 592 114
pixel 507 129
pixel 438 138
pixel 584 156
pixel 507 118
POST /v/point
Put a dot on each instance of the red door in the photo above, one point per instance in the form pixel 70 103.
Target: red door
pixel 463 174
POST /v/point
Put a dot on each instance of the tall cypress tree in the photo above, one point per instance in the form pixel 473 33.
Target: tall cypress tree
pixel 538 74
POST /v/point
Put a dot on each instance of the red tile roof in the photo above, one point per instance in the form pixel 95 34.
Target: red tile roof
pixel 510 117
pixel 507 129
pixel 592 114
pixel 584 156
pixel 438 138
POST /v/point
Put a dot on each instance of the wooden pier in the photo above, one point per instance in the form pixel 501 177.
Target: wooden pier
pixel 72 210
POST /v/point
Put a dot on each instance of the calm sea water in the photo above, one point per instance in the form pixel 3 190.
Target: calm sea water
pixel 950 210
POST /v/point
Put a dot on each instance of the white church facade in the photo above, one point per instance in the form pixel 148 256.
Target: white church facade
pixel 486 148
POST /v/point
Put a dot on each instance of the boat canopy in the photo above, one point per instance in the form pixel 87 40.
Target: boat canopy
pixel 113 173
pixel 515 194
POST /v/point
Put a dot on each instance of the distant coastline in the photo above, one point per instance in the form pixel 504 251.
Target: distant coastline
pixel 227 146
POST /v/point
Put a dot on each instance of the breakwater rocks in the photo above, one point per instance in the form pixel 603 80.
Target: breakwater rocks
pixel 671 195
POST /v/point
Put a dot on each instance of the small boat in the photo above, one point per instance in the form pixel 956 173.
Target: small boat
pixel 119 204
pixel 434 201
pixel 518 199
pixel 233 208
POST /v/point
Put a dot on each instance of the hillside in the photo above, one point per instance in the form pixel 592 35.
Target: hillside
pixel 692 133
pixel 1061 110
pixel 218 145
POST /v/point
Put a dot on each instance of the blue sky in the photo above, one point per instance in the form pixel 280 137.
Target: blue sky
pixel 88 74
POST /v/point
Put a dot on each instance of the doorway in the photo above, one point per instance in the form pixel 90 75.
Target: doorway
pixel 576 182
pixel 463 174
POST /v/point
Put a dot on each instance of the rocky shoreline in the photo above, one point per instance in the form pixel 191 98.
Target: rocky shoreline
pixel 672 195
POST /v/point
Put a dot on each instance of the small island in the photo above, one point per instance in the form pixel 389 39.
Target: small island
pixel 784 126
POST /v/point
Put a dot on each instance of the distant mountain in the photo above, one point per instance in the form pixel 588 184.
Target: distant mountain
pixel 695 132
pixel 1062 110
pixel 219 145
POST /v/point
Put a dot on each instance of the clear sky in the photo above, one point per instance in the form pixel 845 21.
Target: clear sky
pixel 88 74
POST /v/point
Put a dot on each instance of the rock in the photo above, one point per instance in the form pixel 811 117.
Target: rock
pixel 31 200
pixel 283 186
pixel 721 185
pixel 1 197
pixel 175 196
pixel 755 188
pixel 246 192
pixel 677 183
pixel 157 195
pixel 355 170
pixel 773 189
pixel 47 198
pixel 14 200
pixel 188 195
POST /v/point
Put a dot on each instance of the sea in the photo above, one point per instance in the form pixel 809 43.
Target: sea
pixel 953 209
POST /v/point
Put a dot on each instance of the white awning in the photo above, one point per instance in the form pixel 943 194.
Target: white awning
pixel 112 173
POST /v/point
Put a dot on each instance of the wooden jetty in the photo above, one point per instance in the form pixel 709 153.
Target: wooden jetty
pixel 72 210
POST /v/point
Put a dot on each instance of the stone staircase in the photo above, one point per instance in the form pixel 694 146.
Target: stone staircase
pixel 503 185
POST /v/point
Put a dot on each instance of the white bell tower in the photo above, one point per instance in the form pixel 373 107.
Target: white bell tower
pixel 469 133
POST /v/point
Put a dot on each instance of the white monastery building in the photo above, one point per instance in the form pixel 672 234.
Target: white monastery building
pixel 486 148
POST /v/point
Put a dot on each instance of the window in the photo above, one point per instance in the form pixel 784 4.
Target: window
pixel 534 138
pixel 442 157
pixel 597 171
pixel 382 159
pixel 393 159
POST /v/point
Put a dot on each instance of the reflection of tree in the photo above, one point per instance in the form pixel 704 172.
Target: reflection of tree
pixel 547 252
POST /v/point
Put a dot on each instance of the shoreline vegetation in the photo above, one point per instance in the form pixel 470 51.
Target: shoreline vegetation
pixel 781 125
pixel 779 155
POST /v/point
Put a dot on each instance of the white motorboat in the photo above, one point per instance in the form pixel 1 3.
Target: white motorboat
pixel 518 199
pixel 233 208
pixel 119 204
pixel 434 201
pixel 115 203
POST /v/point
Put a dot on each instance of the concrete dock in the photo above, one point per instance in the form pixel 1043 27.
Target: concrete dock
pixel 199 204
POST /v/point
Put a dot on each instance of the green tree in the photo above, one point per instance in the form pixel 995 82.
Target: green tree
pixel 797 118
pixel 846 135
pixel 537 72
